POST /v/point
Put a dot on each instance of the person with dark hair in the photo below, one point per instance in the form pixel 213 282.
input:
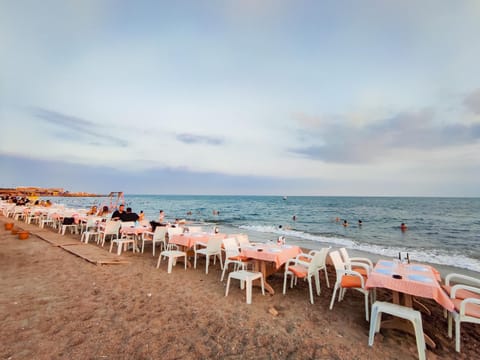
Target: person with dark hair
pixel 104 211
pixel 403 227
pixel 161 217
pixel 129 215
pixel 117 214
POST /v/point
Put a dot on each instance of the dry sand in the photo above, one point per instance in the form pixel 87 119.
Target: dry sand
pixel 54 305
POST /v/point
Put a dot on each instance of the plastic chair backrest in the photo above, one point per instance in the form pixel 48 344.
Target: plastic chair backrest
pixel 316 262
pixel 242 240
pixel 174 231
pixel 337 262
pixel 322 259
pixel 214 244
pixel 194 229
pixel 159 233
pixel 112 227
pixel 344 255
pixel 231 247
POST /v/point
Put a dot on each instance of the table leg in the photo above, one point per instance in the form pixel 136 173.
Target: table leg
pixel 261 266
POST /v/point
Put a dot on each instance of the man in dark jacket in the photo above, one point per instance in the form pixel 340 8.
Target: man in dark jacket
pixel 129 215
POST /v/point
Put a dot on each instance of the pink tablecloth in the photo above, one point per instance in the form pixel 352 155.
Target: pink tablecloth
pixel 417 280
pixel 189 240
pixel 137 230
pixel 278 254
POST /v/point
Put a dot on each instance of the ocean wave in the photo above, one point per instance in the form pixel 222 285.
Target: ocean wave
pixel 299 234
pixel 455 259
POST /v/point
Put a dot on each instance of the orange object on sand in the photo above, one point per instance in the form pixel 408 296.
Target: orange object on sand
pixel 9 226
pixel 23 235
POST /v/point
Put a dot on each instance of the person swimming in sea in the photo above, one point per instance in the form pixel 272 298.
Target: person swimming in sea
pixel 345 223
pixel 403 227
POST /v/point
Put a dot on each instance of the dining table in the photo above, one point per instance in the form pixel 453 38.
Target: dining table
pixel 268 258
pixel 135 232
pixel 188 240
pixel 407 282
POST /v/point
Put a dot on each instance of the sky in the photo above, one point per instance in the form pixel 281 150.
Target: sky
pixel 268 97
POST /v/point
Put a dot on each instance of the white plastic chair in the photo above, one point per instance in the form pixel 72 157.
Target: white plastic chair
pixel 242 240
pixel 172 231
pixel 72 227
pixel 47 219
pixel 359 264
pixel 90 223
pixel 322 261
pixel 158 236
pixel 456 279
pixel 246 279
pixel 403 312
pixel 111 229
pixel 194 229
pixel 89 229
pixel 123 241
pixel 172 256
pixel 304 266
pixel 212 248
pixel 466 309
pixel 232 256
pixel 347 279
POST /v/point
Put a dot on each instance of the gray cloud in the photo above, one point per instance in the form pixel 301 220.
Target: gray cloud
pixel 472 101
pixel 85 130
pixel 199 139
pixel 343 143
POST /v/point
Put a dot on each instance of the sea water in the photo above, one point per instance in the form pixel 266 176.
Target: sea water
pixel 443 231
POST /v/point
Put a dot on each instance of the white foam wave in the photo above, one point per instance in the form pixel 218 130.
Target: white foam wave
pixel 454 259
pixel 299 234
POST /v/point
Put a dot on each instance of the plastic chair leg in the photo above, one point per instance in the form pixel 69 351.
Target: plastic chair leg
pixel 249 291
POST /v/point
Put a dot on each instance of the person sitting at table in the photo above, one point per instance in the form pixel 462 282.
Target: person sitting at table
pixel 92 211
pixel 118 213
pixel 160 222
pixel 129 215
pixel 104 211
pixel 161 217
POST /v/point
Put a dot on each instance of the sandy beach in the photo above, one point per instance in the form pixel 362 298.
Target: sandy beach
pixel 55 305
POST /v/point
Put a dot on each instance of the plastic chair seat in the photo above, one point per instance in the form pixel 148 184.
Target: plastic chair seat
pixel 123 241
pixel 246 277
pixel 86 236
pixel 403 312
pixel 172 256
pixel 73 228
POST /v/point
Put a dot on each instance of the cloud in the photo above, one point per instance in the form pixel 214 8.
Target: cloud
pixel 472 101
pixel 18 171
pixel 95 135
pixel 199 139
pixel 342 142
